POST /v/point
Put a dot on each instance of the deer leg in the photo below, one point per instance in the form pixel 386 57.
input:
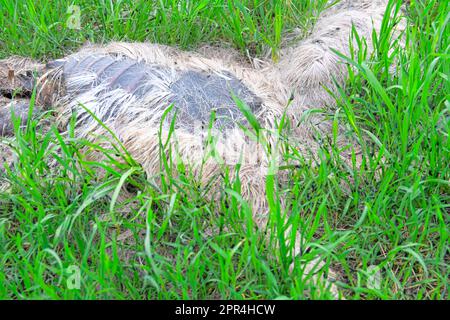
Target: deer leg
pixel 17 80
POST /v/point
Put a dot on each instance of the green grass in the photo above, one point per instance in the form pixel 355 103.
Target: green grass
pixel 40 29
pixel 59 212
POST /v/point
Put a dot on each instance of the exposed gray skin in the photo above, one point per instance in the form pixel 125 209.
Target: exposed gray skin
pixel 15 92
pixel 20 108
pixel 195 94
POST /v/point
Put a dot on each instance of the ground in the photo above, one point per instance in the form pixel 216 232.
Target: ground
pixel 68 232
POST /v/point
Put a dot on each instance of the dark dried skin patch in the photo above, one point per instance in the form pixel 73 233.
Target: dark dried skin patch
pixel 195 94
pixel 20 107
pixel 126 74
pixel 17 79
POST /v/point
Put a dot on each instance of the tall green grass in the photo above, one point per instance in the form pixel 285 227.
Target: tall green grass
pixel 134 239
pixel 41 28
